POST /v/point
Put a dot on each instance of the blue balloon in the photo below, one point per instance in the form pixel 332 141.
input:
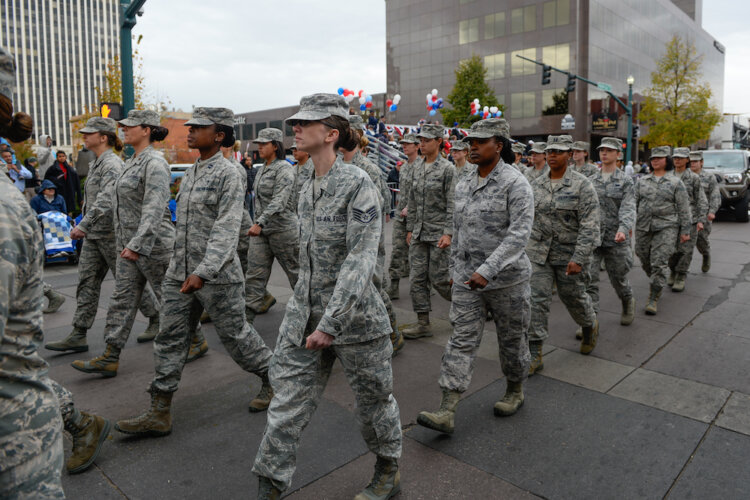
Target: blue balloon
pixel 340 91
pixel 432 112
pixel 362 107
pixel 393 107
pixel 369 98
pixel 499 114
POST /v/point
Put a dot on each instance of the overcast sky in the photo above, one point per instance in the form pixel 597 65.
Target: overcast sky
pixel 250 55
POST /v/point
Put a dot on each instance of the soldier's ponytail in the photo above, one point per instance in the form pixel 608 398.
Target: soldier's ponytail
pixel 347 138
pixel 16 128
pixel 506 154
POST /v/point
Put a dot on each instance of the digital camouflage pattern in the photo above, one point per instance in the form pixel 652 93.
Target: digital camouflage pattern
pixel 587 169
pixel 244 240
pixel 99 124
pixel 679 262
pixel 144 117
pixel 96 221
pixel 428 266
pixel 274 197
pixel 7 73
pixel 303 173
pixel 713 196
pixel 399 265
pixel 532 173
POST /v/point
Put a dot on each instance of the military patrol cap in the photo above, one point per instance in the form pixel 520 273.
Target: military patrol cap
pixel 144 117
pixel 320 106
pixel 696 155
pixel 661 152
pixel 581 146
pixel 460 146
pixel 269 135
pixel 356 122
pixel 491 127
pixel 681 153
pixel 203 117
pixel 7 73
pixel 611 143
pixel 294 145
pixel 518 147
pixel 409 139
pixel 559 143
pixel 538 147
pixel 99 124
pixel 431 131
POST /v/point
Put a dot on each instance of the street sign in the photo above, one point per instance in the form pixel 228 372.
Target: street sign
pixel 111 110
pixel 605 87
pixel 568 123
pixel 604 122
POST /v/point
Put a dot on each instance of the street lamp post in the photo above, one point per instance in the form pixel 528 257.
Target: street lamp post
pixel 128 10
pixel 629 110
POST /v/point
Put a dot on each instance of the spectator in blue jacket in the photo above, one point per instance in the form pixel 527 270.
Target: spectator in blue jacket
pixel 48 200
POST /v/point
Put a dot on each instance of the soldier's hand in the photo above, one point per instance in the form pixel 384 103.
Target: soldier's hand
pixel 699 227
pixel 318 340
pixel 404 212
pixel 573 268
pixel 451 283
pixel 619 237
pixel 255 230
pixel 476 281
pixel 711 217
pixel 684 238
pixel 191 284
pixel 77 234
pixel 408 238
pixel 445 241
pixel 129 254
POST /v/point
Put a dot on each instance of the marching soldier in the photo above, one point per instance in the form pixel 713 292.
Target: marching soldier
pixel 713 197
pixel 538 165
pixel 460 151
pixel 519 150
pixel 305 170
pixel 581 163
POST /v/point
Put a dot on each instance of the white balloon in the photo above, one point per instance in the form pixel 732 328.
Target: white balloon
pixel 476 101
pixel 396 98
pixel 493 109
pixel 428 97
pixel 486 109
pixel 434 91
pixel 349 98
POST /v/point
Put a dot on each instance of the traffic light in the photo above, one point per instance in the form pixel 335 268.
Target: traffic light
pixel 111 110
pixel 636 131
pixel 546 74
pixel 571 84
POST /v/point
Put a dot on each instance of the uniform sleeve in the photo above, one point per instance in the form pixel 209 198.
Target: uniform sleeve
pixel 102 204
pixel 155 199
pixel 701 201
pixel 225 231
pixel 682 205
pixel 714 196
pixel 404 182
pixel 521 217
pixel 626 214
pixel 355 275
pixel 411 202
pixel 588 225
pixel 450 185
pixel 283 189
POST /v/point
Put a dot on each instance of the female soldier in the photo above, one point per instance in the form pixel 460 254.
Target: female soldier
pixel 663 212
pixel 335 312
pixel 519 150
pixel 538 165
pixel 679 262
pixel 274 234
pixel 490 272
pixel 304 171
pixel 144 234
pixel 99 253
pixel 713 197
pixel 581 162
pixel 460 151
pixel 204 273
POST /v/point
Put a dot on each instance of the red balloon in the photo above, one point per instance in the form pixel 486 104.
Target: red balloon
pixel 368 104
pixel 360 93
pixel 388 102
pixel 434 98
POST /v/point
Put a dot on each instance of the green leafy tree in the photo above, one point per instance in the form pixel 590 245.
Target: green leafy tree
pixel 559 104
pixel 470 84
pixel 677 108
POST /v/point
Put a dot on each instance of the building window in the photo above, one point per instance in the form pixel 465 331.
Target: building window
pixel 494 25
pixel 519 67
pixel 523 19
pixel 468 31
pixel 547 97
pixel 247 131
pixel 260 126
pixel 556 13
pixel 277 124
pixel 557 56
pixel 523 105
pixel 495 66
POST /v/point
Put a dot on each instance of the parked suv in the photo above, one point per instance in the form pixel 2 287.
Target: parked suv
pixel 732 171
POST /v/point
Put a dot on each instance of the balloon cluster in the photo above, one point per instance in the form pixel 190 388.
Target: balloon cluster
pixel 433 102
pixel 392 104
pixel 486 112
pixel 364 99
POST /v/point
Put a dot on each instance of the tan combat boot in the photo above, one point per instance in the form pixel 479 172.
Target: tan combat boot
pixel 88 435
pixel 385 483
pixel 205 318
pixel 105 365
pixel 628 311
pixel 535 349
pixel 156 421
pixel 706 266
pixel 198 347
pixel 512 401
pixel 150 333
pixel 679 282
pixel 75 342
pixel 443 419
pixel 56 300
pixel 671 278
pixel 266 489
pixel 263 399
pixel 590 336
pixel 393 291
pixel 268 301
pixel 397 340
pixel 653 299
pixel 420 329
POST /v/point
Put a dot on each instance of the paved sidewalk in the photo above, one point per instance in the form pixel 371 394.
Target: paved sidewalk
pixel 661 408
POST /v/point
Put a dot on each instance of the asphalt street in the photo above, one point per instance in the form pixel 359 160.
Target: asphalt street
pixel 661 408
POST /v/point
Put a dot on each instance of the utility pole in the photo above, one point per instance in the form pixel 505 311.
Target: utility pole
pixel 128 10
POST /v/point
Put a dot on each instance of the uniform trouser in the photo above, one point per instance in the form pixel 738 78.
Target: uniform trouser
pixel 298 378
pixel 97 257
pixel 702 243
pixel 130 281
pixel 680 260
pixel 399 266
pixel 618 260
pixel 284 246
pixel 428 266
pixel 510 308
pixel 382 282
pixel 571 290
pixel 653 248
pixel 65 398
pixel 226 306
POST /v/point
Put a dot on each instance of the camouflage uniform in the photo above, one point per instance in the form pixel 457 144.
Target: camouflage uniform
pixel 243 243
pixel 339 233
pixel 399 266
pixel 430 216
pixel 31 442
pixel 679 262
pixel 663 213
pixel 491 227
pixel 518 148
pixel 566 229
pixel 531 172
pixel 276 214
pixel 462 146
pixel 304 172
pixel 588 169
pixel 713 197
pixel 99 251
